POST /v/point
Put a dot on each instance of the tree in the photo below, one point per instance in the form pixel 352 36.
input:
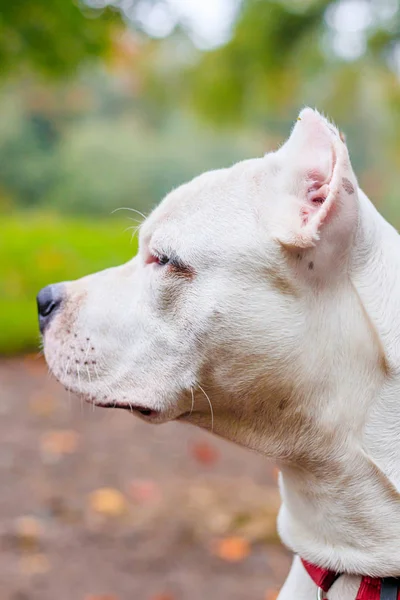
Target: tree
pixel 52 37
pixel 282 54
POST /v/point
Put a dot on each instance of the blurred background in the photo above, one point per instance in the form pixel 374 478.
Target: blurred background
pixel 106 105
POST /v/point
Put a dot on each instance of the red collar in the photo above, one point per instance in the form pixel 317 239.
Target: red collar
pixel 370 589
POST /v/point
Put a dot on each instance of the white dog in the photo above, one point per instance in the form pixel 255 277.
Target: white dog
pixel 264 305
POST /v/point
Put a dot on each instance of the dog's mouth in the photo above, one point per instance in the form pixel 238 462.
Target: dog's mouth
pixel 150 415
pixel 128 406
pixel 133 408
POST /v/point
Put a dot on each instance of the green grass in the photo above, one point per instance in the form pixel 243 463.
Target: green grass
pixel 38 249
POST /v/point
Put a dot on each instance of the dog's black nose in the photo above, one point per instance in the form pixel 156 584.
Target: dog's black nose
pixel 48 300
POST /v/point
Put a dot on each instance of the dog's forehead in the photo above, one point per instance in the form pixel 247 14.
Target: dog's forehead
pixel 214 205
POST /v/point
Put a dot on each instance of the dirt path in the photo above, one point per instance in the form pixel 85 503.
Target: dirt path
pixel 96 505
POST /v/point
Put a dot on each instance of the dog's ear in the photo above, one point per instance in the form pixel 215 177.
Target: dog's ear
pixel 319 187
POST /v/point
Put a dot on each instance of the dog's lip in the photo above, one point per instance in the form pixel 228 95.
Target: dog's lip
pixel 143 410
pixel 150 414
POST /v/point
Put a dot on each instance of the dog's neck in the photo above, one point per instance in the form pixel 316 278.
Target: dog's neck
pixel 342 510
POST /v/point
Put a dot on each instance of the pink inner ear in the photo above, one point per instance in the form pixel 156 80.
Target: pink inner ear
pixel 316 195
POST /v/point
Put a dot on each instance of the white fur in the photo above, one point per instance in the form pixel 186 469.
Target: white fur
pixel 287 319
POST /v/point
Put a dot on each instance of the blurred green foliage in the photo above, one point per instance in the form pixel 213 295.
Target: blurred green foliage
pixel 53 38
pixel 98 162
pixel 282 55
pixel 37 249
pixel 261 62
pixel 97 115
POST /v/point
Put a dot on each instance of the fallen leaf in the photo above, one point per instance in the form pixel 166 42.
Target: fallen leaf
pixel 232 549
pixel 205 453
pixel 28 532
pixel 144 491
pixel 108 501
pixel 271 595
pixel 34 564
pixel 58 442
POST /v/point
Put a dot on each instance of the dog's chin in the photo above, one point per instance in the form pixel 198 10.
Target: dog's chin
pixel 144 411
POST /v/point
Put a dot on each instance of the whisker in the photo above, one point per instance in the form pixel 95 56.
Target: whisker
pixel 66 368
pixel 87 349
pixel 78 373
pixel 191 410
pixel 90 382
pixel 134 230
pixel 88 374
pixel 96 371
pixel 131 209
pixel 132 227
pixel 48 374
pixel 211 408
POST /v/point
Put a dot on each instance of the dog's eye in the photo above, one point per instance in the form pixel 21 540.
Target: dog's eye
pixel 163 259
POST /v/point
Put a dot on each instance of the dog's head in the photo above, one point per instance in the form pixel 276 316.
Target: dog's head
pixel 207 323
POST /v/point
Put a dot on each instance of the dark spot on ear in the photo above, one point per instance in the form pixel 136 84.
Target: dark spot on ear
pixel 299 256
pixel 311 265
pixel 348 186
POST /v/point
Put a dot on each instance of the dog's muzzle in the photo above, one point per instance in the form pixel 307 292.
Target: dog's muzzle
pixel 48 302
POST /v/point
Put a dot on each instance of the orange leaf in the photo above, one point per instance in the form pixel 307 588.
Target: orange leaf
pixel 62 441
pixel 108 502
pixel 205 453
pixel 28 531
pixel 232 549
pixel 271 595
